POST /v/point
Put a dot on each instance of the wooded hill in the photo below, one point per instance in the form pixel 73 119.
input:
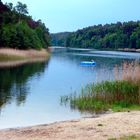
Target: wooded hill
pixel 108 36
pixel 19 30
pixel 59 39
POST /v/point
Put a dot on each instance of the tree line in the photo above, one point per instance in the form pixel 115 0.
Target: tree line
pixel 108 36
pixel 59 39
pixel 19 30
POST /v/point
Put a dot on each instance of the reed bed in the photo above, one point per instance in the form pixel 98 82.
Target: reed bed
pixel 7 54
pixel 131 72
pixel 121 94
pixel 14 57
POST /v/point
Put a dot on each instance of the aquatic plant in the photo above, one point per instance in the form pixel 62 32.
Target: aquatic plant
pixel 121 94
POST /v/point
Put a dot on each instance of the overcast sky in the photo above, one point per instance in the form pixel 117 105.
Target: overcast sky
pixel 70 15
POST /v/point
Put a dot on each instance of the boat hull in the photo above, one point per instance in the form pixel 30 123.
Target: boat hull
pixel 88 63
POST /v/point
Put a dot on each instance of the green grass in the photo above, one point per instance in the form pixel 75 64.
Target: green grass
pixel 118 108
pixel 115 95
pixel 133 137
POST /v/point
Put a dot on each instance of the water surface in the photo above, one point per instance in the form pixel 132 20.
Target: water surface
pixel 30 94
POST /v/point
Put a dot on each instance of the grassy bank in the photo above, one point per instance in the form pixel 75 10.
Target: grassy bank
pixel 12 54
pixel 15 57
pixel 7 54
pixel 5 57
pixel 123 94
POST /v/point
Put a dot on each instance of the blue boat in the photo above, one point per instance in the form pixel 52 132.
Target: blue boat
pixel 88 63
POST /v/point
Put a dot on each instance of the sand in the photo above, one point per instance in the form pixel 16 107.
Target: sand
pixel 106 126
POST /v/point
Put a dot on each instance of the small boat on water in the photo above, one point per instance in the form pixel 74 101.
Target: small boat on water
pixel 88 63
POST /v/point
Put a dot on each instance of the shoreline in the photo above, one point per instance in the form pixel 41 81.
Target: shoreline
pixel 16 63
pixel 129 50
pixel 104 127
pixel 14 57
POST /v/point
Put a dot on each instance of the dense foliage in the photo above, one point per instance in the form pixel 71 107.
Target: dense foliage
pixel 59 39
pixel 109 36
pixel 18 30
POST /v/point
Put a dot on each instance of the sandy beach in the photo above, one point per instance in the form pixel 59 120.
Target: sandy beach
pixel 106 126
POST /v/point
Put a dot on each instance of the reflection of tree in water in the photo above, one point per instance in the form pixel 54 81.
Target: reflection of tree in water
pixel 14 82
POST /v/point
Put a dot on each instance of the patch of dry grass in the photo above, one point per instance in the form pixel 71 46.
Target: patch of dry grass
pixel 13 57
pixel 9 53
pixel 128 72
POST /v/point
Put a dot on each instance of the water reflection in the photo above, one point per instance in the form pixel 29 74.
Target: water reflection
pixel 104 65
pixel 15 82
pixel 37 88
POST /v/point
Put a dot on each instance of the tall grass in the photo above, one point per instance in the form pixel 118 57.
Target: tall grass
pixel 14 57
pixel 123 93
pixel 129 72
pixel 15 54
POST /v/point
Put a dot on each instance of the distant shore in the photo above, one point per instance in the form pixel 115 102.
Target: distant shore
pixel 92 49
pixel 14 57
pixel 104 127
pixel 129 50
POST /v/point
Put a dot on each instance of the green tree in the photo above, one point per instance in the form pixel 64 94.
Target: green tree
pixel 17 30
pixel 9 5
pixel 109 36
pixel 21 8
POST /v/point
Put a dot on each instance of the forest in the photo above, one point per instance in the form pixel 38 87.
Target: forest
pixel 19 30
pixel 59 39
pixel 109 36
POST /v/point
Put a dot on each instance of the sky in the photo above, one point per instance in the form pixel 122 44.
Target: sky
pixel 71 15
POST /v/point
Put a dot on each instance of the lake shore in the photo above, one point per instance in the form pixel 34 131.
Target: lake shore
pixel 15 57
pixel 129 50
pixel 104 127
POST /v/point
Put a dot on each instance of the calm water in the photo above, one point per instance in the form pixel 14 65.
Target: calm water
pixel 30 94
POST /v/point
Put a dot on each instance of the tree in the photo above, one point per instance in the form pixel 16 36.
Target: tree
pixel 108 36
pixel 21 8
pixel 17 30
pixel 9 5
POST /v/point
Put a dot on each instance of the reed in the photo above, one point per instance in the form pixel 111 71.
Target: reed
pixel 131 72
pixel 128 72
pixel 8 54
pixel 119 95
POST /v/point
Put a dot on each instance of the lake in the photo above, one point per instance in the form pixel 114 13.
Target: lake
pixel 30 94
